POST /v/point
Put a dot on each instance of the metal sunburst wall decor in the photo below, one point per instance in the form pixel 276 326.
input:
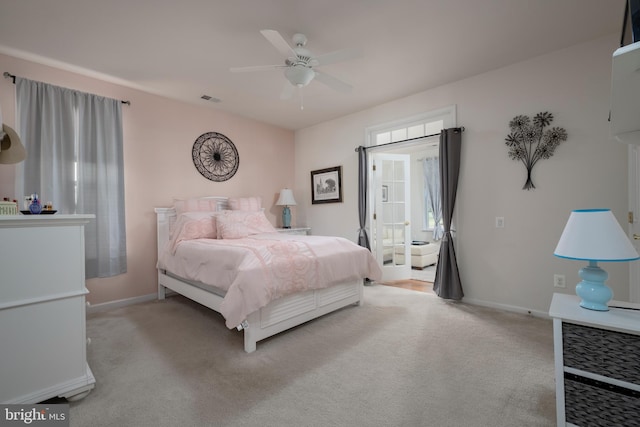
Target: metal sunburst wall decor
pixel 528 142
pixel 215 156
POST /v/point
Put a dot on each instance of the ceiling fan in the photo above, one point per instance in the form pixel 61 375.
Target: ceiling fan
pixel 300 64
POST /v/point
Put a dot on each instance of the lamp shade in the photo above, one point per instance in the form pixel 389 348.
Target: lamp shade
pixel 595 235
pixel 286 198
pixel 11 148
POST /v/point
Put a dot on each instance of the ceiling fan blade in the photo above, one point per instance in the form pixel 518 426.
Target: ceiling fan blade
pixel 279 42
pixel 333 82
pixel 287 91
pixel 255 68
pixel 337 56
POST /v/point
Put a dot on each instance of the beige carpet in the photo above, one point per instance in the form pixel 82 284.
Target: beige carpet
pixel 427 274
pixel 404 358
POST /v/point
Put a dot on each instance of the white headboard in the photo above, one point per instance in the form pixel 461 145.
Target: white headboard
pixel 165 217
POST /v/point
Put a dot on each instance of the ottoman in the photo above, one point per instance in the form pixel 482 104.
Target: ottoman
pixel 421 255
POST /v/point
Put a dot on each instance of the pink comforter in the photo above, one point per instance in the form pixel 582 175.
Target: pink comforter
pixel 261 268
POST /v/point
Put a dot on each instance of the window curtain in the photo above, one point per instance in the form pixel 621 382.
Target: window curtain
pixel 432 198
pixel 447 282
pixel 75 160
pixel 363 238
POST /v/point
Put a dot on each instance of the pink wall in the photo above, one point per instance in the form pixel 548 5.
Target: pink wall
pixel 158 136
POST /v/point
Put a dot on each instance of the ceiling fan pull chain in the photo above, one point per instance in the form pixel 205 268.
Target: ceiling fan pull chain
pixel 301 99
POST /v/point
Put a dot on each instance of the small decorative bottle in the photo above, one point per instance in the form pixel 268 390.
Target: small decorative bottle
pixel 35 207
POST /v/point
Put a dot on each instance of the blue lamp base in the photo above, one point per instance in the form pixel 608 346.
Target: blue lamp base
pixel 286 217
pixel 592 289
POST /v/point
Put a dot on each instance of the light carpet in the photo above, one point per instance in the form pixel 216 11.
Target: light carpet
pixel 427 274
pixel 403 358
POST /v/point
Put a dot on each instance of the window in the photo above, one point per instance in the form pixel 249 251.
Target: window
pixel 410 128
pixel 75 160
pixel 410 133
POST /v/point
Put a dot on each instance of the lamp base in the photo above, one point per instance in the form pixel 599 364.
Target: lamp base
pixel 286 217
pixel 592 289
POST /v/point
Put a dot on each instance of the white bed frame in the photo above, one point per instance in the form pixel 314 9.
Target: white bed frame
pixel 280 315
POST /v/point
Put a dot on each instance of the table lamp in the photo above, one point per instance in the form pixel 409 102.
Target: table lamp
pixel 286 199
pixel 594 235
pixel 11 148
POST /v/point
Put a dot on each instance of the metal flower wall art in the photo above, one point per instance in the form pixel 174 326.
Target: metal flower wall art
pixel 529 142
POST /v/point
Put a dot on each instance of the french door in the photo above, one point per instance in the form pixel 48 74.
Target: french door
pixel 391 213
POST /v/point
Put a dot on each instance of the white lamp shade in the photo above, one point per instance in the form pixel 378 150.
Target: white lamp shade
pixel 595 235
pixel 286 198
pixel 11 148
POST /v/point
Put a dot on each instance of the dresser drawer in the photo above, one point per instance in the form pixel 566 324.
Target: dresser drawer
pixel 41 262
pixel 603 352
pixel 594 403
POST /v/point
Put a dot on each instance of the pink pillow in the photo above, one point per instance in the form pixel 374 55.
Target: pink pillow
pixel 195 205
pixel 193 225
pixel 239 224
pixel 245 204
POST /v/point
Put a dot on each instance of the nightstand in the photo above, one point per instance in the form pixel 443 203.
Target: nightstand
pixel 597 355
pixel 295 230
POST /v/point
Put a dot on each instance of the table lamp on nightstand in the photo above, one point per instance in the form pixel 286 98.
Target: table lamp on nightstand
pixel 594 235
pixel 286 199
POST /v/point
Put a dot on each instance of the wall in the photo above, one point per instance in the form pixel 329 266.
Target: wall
pixel 511 267
pixel 158 137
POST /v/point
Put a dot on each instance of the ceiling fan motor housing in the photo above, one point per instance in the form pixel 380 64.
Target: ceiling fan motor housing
pixel 299 75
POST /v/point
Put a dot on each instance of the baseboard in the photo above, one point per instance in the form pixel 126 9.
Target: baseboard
pixel 111 305
pixel 505 307
pixel 150 297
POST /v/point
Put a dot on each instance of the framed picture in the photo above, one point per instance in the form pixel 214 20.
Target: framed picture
pixel 385 193
pixel 326 185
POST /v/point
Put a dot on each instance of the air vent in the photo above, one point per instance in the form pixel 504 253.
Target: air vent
pixel 210 98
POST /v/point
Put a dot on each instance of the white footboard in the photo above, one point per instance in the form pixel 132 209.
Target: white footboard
pixel 293 310
pixel 281 314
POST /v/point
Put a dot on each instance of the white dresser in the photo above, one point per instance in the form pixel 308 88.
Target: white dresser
pixel 42 308
pixel 597 363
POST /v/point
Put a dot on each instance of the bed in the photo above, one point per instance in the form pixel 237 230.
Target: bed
pixel 263 282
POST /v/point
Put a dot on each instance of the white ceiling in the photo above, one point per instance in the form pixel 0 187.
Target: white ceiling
pixel 184 49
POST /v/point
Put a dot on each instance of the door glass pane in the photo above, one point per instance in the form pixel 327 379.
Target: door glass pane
pixel 393 210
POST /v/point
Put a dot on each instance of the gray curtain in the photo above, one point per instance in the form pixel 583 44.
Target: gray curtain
pixel 363 238
pixel 447 282
pixel 75 160
pixel 432 197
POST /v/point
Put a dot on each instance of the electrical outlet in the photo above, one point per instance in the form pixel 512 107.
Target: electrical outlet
pixel 558 281
pixel 499 222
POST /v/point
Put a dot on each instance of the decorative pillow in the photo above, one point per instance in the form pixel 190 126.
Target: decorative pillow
pixel 239 224
pixel 193 225
pixel 195 205
pixel 245 203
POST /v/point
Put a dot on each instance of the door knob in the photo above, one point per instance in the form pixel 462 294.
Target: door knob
pixel 636 236
pixel 407 223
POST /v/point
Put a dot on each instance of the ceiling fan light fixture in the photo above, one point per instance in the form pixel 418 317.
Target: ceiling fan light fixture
pixel 299 75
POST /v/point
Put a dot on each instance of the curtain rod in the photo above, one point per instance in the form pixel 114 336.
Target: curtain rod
pixel 461 129
pixel 8 75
